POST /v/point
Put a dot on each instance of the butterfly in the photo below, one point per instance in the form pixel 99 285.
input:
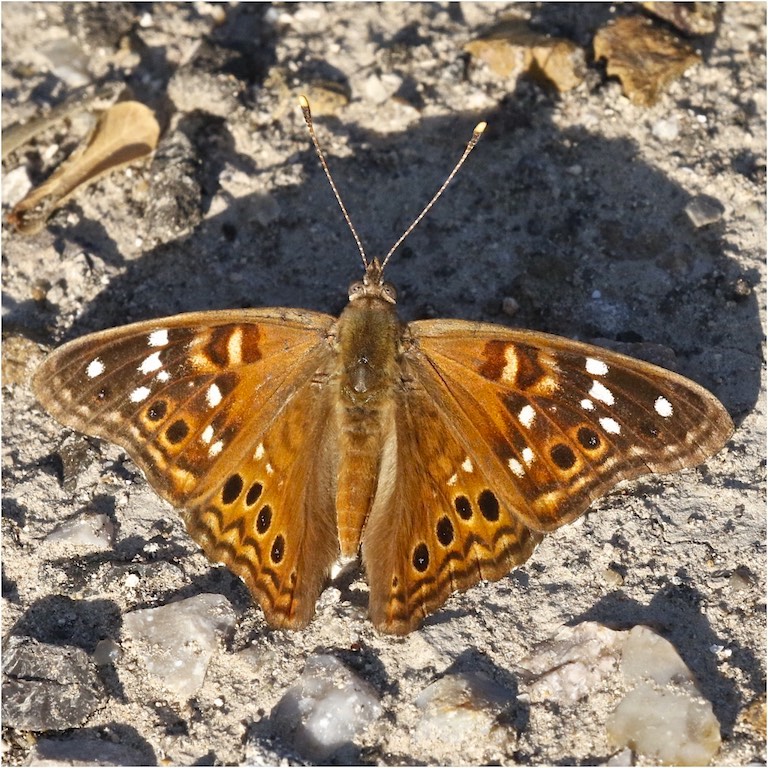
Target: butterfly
pixel 440 450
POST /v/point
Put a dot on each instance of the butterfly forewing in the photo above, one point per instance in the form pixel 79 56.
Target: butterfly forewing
pixel 557 422
pixel 219 409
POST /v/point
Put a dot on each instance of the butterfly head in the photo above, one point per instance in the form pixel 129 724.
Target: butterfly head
pixel 373 285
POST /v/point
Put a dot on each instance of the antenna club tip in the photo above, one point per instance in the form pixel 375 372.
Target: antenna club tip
pixel 480 127
pixel 303 101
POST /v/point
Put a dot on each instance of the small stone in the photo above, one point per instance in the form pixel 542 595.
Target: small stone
pixel 666 129
pixel 510 306
pixel 463 709
pixel 107 652
pixel 704 210
pixel 47 687
pixel 574 663
pixel 613 578
pixel 87 749
pixel 178 640
pixel 326 709
pixel 671 727
pixel 740 579
pixel 89 531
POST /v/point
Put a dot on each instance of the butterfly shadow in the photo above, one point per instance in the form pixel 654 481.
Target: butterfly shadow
pixel 589 240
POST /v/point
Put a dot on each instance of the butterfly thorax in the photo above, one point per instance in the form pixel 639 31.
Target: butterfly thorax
pixel 367 337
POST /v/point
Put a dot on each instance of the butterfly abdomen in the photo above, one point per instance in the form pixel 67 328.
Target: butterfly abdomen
pixel 368 334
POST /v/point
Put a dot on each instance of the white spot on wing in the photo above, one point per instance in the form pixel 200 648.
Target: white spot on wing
pixel 596 367
pixel 516 467
pixel 269 469
pixel 95 368
pixel 509 372
pixel 587 405
pixel 663 407
pixel 526 416
pixel 215 449
pixel 467 466
pixel 528 456
pixel 163 376
pixel 213 396
pixel 610 425
pixel 259 452
pixel 158 338
pixel 152 363
pixel 601 393
pixel 207 435
pixel 452 480
pixel 235 347
pixel 139 394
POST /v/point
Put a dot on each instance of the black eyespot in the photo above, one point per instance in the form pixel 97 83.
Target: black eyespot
pixel 253 494
pixel 463 507
pixel 157 410
pixel 264 519
pixel 232 489
pixel 588 438
pixel 444 531
pixel 489 506
pixel 563 456
pixel 177 431
pixel 278 549
pixel 395 582
pixel 421 558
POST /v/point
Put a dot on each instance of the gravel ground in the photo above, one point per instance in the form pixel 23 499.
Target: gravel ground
pixel 573 205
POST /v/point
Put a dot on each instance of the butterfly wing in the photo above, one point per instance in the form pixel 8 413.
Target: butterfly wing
pixel 522 431
pixel 221 410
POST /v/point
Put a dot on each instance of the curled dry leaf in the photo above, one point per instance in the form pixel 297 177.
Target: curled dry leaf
pixel 645 58
pixel 511 48
pixel 126 132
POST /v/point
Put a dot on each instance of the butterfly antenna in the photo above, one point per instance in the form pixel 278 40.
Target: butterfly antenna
pixel 476 134
pixel 304 103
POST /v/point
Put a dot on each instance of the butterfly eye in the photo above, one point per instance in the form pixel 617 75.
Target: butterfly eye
pixel 356 290
pixel 389 293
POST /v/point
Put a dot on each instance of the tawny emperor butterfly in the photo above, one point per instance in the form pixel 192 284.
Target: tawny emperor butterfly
pixel 441 449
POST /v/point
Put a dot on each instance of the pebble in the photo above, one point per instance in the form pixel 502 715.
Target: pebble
pixel 47 687
pixel 464 709
pixel 88 531
pixel 666 129
pixel 87 749
pixel 704 210
pixel 662 715
pixel 176 641
pixel 326 709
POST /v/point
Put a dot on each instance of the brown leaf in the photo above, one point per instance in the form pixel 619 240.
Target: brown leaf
pixel 511 48
pixel 126 132
pixel 645 58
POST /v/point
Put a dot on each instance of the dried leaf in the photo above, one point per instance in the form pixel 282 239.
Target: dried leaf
pixel 126 132
pixel 689 18
pixel 645 58
pixel 511 48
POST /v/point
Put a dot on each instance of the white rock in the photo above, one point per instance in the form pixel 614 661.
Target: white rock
pixel 666 129
pixel 326 709
pixel 676 728
pixel 704 210
pixel 463 708
pixel 662 715
pixel 177 640
pixel 85 531
pixel 575 662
